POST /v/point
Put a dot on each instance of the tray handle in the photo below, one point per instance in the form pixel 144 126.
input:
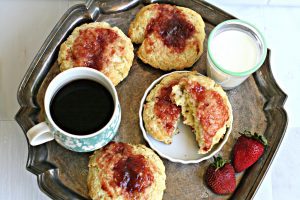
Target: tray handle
pixel 111 6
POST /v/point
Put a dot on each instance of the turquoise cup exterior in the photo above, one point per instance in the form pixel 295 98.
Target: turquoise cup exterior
pixel 90 142
pixel 48 130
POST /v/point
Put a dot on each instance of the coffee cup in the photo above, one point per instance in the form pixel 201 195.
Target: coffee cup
pixel 82 111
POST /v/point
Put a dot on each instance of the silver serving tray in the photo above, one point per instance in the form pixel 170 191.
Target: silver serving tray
pixel 257 105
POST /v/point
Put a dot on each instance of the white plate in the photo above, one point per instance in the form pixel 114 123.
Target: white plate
pixel 184 147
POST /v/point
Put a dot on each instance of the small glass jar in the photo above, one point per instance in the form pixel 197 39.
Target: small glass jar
pixel 236 49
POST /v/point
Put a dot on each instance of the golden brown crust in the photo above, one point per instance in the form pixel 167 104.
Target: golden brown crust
pixel 153 51
pixel 100 178
pixel 117 64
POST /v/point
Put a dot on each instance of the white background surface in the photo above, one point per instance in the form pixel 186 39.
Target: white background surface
pixel 26 24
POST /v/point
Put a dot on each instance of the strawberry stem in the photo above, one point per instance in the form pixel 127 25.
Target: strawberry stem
pixel 219 162
pixel 255 136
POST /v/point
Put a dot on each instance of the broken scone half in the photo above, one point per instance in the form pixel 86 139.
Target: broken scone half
pixel 202 103
pixel 160 114
pixel 205 107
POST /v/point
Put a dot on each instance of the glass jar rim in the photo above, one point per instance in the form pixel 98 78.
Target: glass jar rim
pixel 249 26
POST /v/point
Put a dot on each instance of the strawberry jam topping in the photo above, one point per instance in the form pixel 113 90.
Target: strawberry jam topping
pixel 211 111
pixel 130 171
pixel 89 47
pixel 212 114
pixel 105 187
pixel 196 90
pixel 165 110
pixel 172 27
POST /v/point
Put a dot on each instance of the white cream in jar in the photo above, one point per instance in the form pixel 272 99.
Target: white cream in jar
pixel 235 50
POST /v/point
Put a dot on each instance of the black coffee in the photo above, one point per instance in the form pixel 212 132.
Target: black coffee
pixel 82 107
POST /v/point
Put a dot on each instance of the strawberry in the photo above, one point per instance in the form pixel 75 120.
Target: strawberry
pixel 220 176
pixel 247 150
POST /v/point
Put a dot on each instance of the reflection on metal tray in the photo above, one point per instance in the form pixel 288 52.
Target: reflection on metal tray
pixel 257 106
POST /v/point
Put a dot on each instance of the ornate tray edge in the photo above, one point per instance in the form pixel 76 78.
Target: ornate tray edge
pixel 276 102
pixel 29 107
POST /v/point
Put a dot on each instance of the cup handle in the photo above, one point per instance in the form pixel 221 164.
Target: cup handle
pixel 39 134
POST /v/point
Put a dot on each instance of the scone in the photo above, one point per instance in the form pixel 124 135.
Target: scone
pixel 125 171
pixel 205 107
pixel 202 103
pixel 98 45
pixel 160 114
pixel 171 37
